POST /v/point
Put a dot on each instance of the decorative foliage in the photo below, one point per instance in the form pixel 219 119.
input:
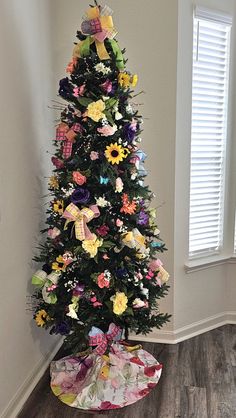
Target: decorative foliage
pixel 99 263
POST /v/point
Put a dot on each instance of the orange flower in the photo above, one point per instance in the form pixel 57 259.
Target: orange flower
pixel 129 207
pixel 71 66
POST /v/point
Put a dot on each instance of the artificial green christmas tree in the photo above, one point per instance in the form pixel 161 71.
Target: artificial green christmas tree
pixel 100 273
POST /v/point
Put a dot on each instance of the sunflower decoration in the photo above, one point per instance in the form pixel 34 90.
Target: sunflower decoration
pixel 58 206
pixel 59 264
pixel 116 153
pixel 41 318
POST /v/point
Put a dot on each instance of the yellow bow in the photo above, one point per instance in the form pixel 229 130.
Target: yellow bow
pixel 99 25
pixel 80 218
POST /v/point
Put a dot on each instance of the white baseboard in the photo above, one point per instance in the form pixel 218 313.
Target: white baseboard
pixel 15 405
pixel 163 337
pixel 188 331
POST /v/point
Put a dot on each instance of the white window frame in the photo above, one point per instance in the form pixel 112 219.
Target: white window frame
pixel 215 17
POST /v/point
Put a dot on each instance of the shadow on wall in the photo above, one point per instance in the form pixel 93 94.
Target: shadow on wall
pixel 25 134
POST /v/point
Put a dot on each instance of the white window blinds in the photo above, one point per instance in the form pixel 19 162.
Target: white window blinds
pixel 211 49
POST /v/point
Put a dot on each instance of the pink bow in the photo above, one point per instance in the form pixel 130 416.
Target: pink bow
pixel 101 340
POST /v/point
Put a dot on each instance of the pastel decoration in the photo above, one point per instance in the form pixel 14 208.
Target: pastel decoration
pixel 100 339
pixel 97 383
pixel 48 283
pixel 98 26
pixel 80 218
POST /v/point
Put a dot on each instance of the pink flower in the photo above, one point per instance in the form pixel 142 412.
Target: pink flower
pixel 103 281
pixel 155 264
pixel 53 232
pixel 79 91
pixel 79 178
pixel 105 257
pixel 107 86
pixel 94 155
pixel 107 130
pixel 119 185
pixel 57 162
pixel 119 223
pixel 103 230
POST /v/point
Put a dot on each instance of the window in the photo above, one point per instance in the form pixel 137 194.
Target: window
pixel 211 50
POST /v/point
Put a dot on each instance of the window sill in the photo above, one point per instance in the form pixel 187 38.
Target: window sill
pixel 202 264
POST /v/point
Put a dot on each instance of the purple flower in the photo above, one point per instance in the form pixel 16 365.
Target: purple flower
pixel 80 195
pixel 65 88
pixel 62 328
pixel 129 132
pixel 142 218
pixel 78 290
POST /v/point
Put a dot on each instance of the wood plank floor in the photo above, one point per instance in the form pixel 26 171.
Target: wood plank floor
pixel 198 381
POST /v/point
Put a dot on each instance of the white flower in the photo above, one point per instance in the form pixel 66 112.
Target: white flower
pixel 72 311
pixel 129 109
pixel 118 116
pixel 101 68
pixel 68 192
pixel 145 292
pixel 102 202
pixel 134 175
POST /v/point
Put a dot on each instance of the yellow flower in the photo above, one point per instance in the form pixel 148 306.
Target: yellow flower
pixel 59 264
pixel 134 80
pixel 41 318
pixel 124 80
pixel 120 301
pixel 58 207
pixel 53 182
pixel 95 110
pixel 91 245
pixel 115 153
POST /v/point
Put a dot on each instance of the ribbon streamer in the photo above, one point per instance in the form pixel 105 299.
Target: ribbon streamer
pixel 101 340
pixel 80 218
pixel 64 133
pixel 43 280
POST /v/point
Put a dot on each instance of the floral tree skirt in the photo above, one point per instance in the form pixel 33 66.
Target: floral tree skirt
pixel 102 382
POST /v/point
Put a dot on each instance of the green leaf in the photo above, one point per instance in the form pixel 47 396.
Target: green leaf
pixel 129 312
pixel 109 117
pixel 84 101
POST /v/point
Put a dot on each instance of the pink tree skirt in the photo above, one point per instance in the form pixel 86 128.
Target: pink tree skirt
pixel 105 382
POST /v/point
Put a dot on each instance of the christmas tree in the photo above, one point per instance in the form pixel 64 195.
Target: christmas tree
pixel 99 259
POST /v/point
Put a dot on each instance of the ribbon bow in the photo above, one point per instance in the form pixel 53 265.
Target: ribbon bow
pixel 64 133
pixel 80 218
pixel 98 25
pixel 101 340
pixel 134 239
pixel 48 282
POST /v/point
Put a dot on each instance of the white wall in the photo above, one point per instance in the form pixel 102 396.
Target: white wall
pixel 26 123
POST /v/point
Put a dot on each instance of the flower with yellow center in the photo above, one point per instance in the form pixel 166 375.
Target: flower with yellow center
pixel 91 245
pixel 41 318
pixel 58 206
pixel 124 80
pixel 59 264
pixel 95 110
pixel 53 182
pixel 115 153
pixel 120 301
